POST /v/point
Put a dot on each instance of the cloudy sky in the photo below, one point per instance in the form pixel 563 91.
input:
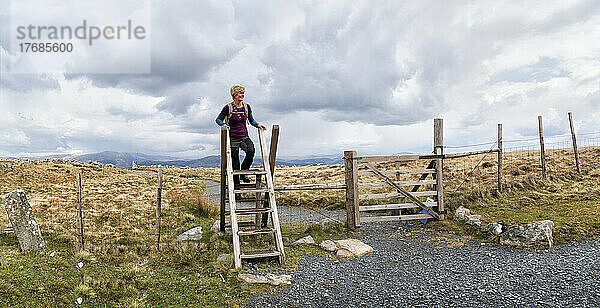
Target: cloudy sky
pixel 335 75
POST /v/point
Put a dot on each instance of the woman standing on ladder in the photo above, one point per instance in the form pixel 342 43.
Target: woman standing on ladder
pixel 235 115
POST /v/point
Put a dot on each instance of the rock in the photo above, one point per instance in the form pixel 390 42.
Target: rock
pixel 305 240
pixel 79 300
pixel 216 227
pixel 268 278
pixel 328 222
pixel 355 246
pixel 193 234
pixel 328 245
pixel 343 253
pixel 143 262
pixel 461 213
pixel 494 228
pixel 224 258
pixel 279 279
pixel 528 235
pixel 474 220
pixel 24 224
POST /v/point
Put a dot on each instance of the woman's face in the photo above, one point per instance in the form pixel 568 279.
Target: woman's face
pixel 239 97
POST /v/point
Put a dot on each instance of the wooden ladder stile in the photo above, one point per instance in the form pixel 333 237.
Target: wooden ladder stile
pixel 270 207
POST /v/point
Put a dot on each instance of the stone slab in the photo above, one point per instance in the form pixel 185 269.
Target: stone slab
pixel 24 224
pixel 355 246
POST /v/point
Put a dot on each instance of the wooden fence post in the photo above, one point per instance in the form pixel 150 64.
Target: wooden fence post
pixel 79 211
pixel 223 175
pixel 351 179
pixel 273 148
pixel 499 157
pixel 272 163
pixel 574 142
pixel 158 211
pixel 438 147
pixel 542 154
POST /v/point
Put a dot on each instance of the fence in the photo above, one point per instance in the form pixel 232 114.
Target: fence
pixel 522 158
pixel 474 168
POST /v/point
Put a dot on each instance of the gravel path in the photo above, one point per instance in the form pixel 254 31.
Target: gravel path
pixel 416 266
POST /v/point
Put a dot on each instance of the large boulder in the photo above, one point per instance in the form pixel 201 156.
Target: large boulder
pixel 529 235
pixel 24 224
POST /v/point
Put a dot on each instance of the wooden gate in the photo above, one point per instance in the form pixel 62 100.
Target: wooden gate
pixel 407 194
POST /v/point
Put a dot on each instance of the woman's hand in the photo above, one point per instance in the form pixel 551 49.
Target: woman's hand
pixel 262 126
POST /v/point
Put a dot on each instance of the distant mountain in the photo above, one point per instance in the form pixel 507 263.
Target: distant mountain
pixel 124 160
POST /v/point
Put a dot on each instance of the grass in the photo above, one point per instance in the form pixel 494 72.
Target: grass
pixel 119 213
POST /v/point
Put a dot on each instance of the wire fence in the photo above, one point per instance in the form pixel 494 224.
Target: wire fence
pixel 521 158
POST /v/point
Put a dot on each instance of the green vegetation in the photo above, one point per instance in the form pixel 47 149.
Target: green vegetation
pixel 571 201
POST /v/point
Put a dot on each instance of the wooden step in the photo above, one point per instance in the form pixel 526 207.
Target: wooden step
pixel 241 224
pixel 248 199
pixel 260 254
pixel 250 191
pixel 250 185
pixel 256 231
pixel 249 172
pixel 253 211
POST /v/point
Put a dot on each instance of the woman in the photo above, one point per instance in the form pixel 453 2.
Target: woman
pixel 235 115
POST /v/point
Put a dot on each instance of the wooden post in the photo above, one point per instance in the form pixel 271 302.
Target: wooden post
pixel 272 163
pixel 273 148
pixel 351 179
pixel 398 178
pixel 158 211
pixel 542 154
pixel 438 147
pixel 499 157
pixel 574 142
pixel 223 175
pixel 79 211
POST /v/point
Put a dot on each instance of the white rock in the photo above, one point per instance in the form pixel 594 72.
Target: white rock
pixel 79 300
pixel 494 228
pixel 279 279
pixel 474 220
pixel 192 234
pixel 534 234
pixel 355 246
pixel 143 262
pixel 305 240
pixel 224 258
pixel 461 213
pixel 216 227
pixel 79 265
pixel 328 245
pixel 343 253
pixel 328 222
pixel 268 278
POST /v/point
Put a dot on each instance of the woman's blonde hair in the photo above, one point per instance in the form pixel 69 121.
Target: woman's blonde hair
pixel 235 89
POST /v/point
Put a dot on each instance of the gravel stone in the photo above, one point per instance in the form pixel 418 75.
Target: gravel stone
pixel 408 269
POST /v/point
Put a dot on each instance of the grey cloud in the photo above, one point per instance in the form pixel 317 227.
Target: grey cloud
pixel 188 40
pixel 344 62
